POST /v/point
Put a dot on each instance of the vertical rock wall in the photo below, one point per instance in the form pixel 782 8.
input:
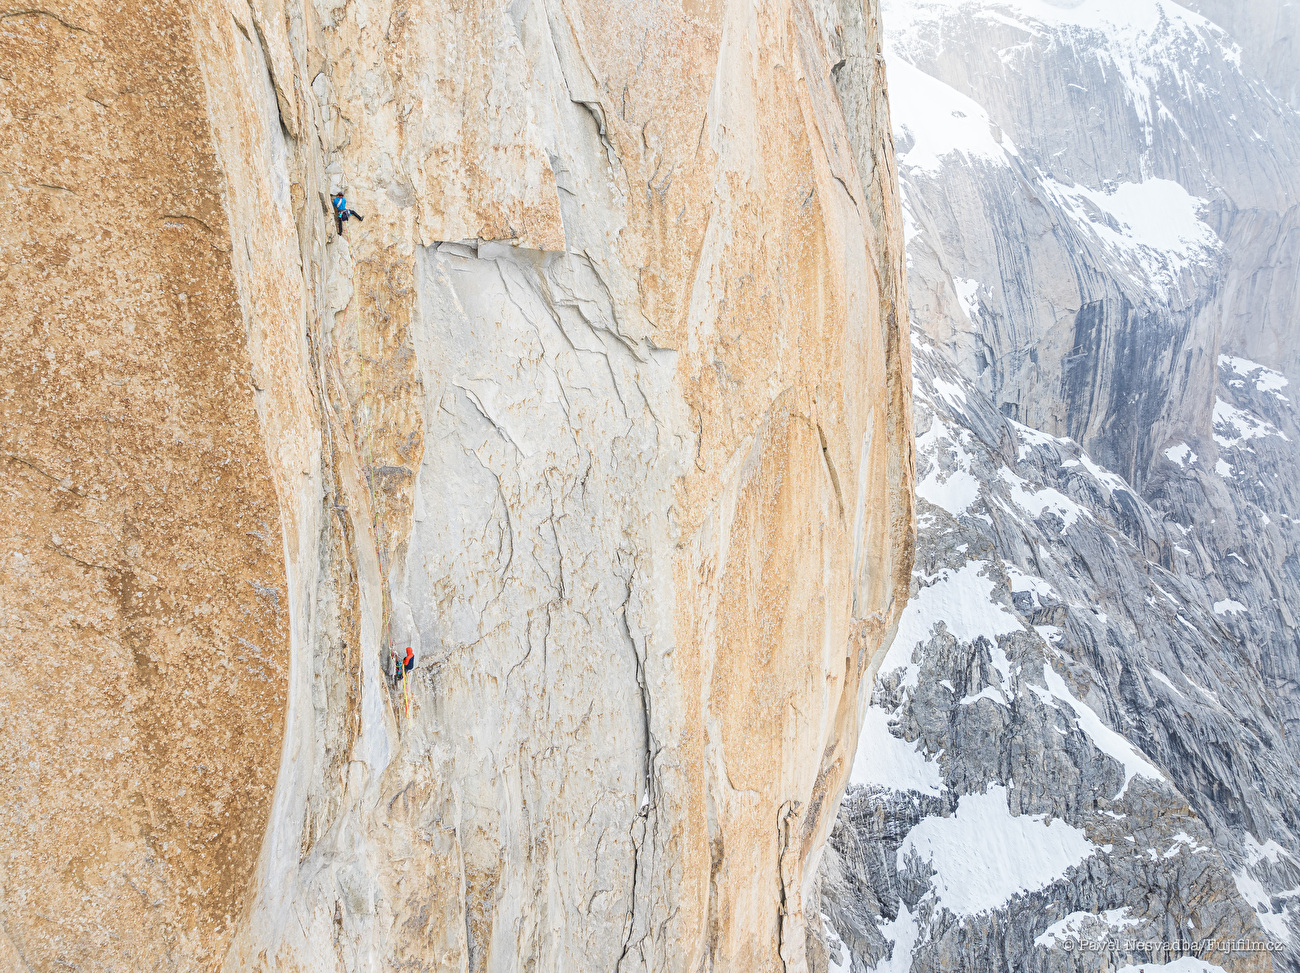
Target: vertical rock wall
pixel 1102 633
pixel 1076 322
pixel 1268 31
pixel 145 632
pixel 604 409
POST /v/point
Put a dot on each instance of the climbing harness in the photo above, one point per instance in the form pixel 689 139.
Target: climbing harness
pixel 341 211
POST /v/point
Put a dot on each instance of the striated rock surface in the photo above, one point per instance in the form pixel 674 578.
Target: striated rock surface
pixel 1126 209
pixel 1085 731
pixel 1069 742
pixel 1268 32
pixel 604 409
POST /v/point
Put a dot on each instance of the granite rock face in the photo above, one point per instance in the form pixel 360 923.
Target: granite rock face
pixel 1126 211
pixel 146 625
pixel 604 409
pixel 1086 729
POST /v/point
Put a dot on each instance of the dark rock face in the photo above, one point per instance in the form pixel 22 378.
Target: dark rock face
pixel 1109 131
pixel 1052 659
pixel 1094 695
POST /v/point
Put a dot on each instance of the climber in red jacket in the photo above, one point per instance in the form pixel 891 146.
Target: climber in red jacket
pixel 400 665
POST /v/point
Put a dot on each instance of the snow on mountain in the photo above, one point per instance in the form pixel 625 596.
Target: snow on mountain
pixel 983 855
pixel 1102 235
pixel 937 122
pixel 1053 675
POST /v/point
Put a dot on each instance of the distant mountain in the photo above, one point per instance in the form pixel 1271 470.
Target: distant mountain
pixel 1094 697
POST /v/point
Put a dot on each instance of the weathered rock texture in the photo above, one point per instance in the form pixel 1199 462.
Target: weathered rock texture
pixel 1049 659
pixel 144 601
pixel 605 409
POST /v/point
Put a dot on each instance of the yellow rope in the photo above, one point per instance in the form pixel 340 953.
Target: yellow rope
pixel 406 691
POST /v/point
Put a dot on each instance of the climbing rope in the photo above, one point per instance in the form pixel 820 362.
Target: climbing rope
pixel 362 445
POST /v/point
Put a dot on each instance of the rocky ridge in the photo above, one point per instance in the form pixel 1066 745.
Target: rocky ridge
pixel 1100 200
pixel 1077 745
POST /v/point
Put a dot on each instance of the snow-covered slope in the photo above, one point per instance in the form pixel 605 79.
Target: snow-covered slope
pixel 1094 692
pixel 1080 744
pixel 1101 195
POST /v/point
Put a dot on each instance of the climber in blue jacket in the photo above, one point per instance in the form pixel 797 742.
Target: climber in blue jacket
pixel 341 211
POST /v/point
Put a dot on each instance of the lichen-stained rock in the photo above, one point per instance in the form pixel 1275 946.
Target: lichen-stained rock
pixel 604 409
pixel 146 630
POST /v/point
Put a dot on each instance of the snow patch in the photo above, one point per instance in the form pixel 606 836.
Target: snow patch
pixel 902 933
pixel 988 692
pixel 940 122
pixel 955 494
pixel 951 393
pixel 1154 224
pixel 1181 839
pixel 1103 737
pixel 1182 454
pixel 963 601
pixel 1257 896
pixel 1228 606
pixel 1265 378
pixel 968 296
pixel 1046 500
pixel 884 760
pixel 839 959
pixel 983 855
pixel 1111 481
pixel 1030 436
pixel 1172 600
pixel 1161 677
pixel 957 489
pixel 1269 851
pixel 1229 419
pixel 1072 925
pixel 1185 964
pixel 1027 582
